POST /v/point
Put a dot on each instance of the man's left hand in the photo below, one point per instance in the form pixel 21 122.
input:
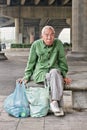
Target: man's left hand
pixel 67 81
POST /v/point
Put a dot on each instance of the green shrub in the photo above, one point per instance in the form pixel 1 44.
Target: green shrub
pixel 15 45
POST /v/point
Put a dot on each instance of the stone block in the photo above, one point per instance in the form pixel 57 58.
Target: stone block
pixel 79 99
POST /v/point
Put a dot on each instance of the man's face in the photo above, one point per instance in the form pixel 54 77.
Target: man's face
pixel 48 37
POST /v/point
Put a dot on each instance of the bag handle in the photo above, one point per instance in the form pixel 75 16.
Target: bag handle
pixel 46 84
pixel 20 84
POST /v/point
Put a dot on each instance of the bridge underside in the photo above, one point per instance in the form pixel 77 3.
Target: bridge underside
pixel 36 2
pixel 34 14
pixel 9 21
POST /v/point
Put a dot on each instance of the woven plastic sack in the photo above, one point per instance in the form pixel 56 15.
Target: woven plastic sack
pixel 39 101
pixel 16 104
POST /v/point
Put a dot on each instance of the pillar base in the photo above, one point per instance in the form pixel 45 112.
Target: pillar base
pixel 78 56
pixel 2 56
pixel 79 100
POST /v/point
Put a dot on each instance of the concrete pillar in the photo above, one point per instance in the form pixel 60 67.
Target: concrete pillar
pixel 31 33
pixel 18 30
pixel 8 2
pixel 79 31
pixel 79 26
pixel 21 27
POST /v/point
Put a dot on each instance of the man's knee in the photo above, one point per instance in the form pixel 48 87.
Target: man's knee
pixel 55 71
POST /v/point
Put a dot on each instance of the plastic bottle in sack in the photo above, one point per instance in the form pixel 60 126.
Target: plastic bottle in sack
pixel 23 114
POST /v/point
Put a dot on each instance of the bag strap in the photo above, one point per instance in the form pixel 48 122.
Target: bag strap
pixel 46 84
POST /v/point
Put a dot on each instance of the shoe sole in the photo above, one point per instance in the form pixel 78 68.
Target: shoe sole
pixel 59 114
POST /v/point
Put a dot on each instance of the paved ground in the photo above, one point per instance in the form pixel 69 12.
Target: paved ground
pixel 12 69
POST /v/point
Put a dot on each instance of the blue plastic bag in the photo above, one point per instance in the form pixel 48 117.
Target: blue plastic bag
pixel 17 104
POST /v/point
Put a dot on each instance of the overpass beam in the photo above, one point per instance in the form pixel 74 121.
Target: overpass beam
pixel 65 2
pixel 36 2
pixel 51 2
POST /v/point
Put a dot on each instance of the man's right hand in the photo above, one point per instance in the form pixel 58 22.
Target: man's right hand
pixel 20 80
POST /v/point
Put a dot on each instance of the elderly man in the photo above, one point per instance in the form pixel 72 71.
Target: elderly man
pixel 47 62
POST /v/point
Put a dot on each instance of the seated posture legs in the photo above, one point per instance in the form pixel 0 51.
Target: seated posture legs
pixel 55 81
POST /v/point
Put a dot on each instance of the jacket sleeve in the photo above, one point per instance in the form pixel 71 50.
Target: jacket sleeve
pixel 62 61
pixel 30 63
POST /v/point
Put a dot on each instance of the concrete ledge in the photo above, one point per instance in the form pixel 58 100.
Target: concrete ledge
pixel 79 92
pixel 77 85
pixel 77 56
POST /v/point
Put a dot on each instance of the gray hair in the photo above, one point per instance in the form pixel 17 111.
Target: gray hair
pixel 47 27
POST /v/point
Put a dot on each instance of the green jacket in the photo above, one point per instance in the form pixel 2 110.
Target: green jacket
pixel 43 58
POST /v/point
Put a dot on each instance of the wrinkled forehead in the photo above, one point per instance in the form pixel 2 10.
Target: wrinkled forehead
pixel 47 28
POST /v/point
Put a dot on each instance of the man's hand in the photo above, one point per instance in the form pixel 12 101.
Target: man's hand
pixel 20 80
pixel 67 81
